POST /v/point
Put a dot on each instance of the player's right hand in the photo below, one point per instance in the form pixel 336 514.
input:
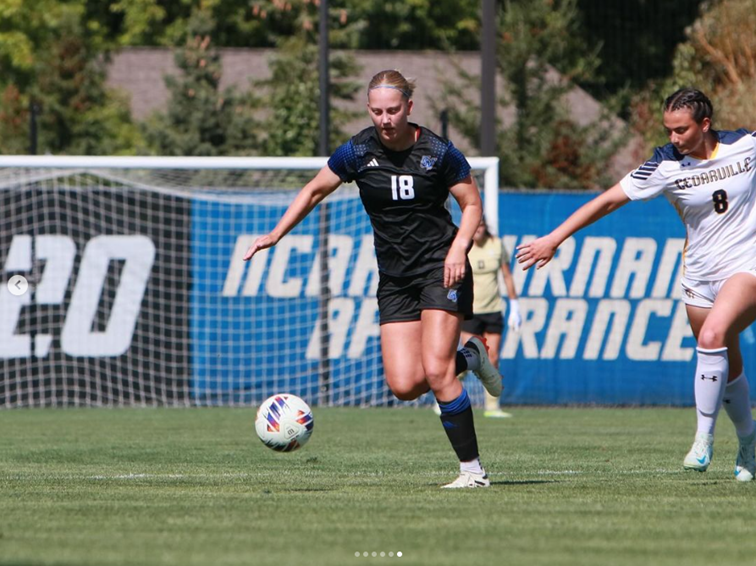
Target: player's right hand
pixel 538 252
pixel 261 243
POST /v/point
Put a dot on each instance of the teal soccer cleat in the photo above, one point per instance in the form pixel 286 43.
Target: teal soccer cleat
pixel 699 457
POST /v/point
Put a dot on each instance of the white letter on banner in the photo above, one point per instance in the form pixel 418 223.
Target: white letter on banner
pixel 19 258
pixel 567 321
pixel 618 310
pixel 636 349
pixel 533 318
pixel 13 345
pixel 77 338
pixel 678 331
pixel 59 253
pixel 365 267
pixel 554 271
pixel 340 313
pixel 255 273
pixel 605 248
pixel 367 327
pixel 671 259
pixel 236 267
pixel 277 286
pixel 637 258
pixel 339 252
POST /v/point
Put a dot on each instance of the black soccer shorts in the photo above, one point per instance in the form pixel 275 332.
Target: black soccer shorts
pixel 401 299
pixel 491 322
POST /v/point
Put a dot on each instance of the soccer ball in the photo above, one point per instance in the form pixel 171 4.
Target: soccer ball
pixel 284 422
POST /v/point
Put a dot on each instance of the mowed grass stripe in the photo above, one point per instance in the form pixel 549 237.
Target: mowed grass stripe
pixel 195 487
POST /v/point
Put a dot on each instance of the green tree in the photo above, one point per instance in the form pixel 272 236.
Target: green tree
pixel 78 115
pixel 200 119
pixel 719 58
pixel 395 24
pixel 292 92
pixel 292 124
pixel 540 57
pixel 637 38
pixel 49 55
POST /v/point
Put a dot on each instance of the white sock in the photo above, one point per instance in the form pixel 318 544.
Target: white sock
pixel 473 466
pixel 710 384
pixel 737 404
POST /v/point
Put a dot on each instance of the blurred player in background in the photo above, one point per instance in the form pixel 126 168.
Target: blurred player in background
pixel 487 257
pixel 405 173
pixel 709 177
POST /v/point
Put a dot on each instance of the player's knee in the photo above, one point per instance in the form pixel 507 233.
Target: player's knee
pixel 409 392
pixel 711 337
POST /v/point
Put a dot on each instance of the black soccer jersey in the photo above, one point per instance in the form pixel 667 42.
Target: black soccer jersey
pixel 404 194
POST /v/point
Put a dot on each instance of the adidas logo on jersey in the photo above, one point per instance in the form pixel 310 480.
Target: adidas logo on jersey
pixel 373 163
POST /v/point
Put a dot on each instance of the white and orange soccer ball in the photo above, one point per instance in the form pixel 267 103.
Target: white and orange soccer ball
pixel 284 422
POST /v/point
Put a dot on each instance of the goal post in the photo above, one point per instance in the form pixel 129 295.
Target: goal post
pixel 137 294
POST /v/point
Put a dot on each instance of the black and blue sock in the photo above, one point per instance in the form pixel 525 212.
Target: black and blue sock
pixel 457 418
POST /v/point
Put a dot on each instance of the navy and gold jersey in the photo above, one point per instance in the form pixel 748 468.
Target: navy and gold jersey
pixel 404 194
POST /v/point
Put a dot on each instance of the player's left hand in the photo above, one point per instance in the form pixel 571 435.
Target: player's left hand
pixel 261 243
pixel 454 267
pixel 514 321
pixel 538 252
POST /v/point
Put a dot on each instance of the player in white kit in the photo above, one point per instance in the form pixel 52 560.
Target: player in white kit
pixel 709 176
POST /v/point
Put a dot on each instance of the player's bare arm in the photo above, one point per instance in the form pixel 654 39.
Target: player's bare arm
pixel 540 251
pixel 322 185
pixel 468 197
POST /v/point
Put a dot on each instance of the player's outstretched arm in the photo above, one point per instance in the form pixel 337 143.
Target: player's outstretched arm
pixel 540 251
pixel 322 185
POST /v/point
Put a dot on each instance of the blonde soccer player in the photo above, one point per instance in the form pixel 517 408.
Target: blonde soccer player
pixel 405 173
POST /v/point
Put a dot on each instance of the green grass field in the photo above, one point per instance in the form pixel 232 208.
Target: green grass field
pixel 195 487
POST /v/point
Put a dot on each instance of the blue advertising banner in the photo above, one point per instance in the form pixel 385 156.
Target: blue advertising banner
pixel 255 329
pixel 603 323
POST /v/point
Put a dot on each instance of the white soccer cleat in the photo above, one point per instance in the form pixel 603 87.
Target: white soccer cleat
pixel 699 457
pixel 468 479
pixel 497 414
pixel 745 464
pixel 488 375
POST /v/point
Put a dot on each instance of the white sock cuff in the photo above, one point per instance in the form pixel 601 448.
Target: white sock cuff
pixel 713 351
pixel 737 379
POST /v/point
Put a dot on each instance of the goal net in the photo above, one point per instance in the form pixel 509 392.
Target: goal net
pixel 138 295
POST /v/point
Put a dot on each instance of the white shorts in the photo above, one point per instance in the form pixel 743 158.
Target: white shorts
pixel 703 293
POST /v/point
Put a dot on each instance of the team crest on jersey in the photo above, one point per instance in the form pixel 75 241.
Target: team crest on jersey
pixel 427 162
pixel 452 295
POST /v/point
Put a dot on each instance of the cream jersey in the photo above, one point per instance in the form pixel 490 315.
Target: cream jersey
pixel 715 198
pixel 486 261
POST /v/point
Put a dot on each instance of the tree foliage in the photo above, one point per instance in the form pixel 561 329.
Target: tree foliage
pixel 402 24
pixel 292 91
pixel 50 57
pixel 719 58
pixel 200 119
pixel 292 98
pixel 543 146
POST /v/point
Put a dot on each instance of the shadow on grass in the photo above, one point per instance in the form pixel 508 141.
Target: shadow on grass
pixel 523 482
